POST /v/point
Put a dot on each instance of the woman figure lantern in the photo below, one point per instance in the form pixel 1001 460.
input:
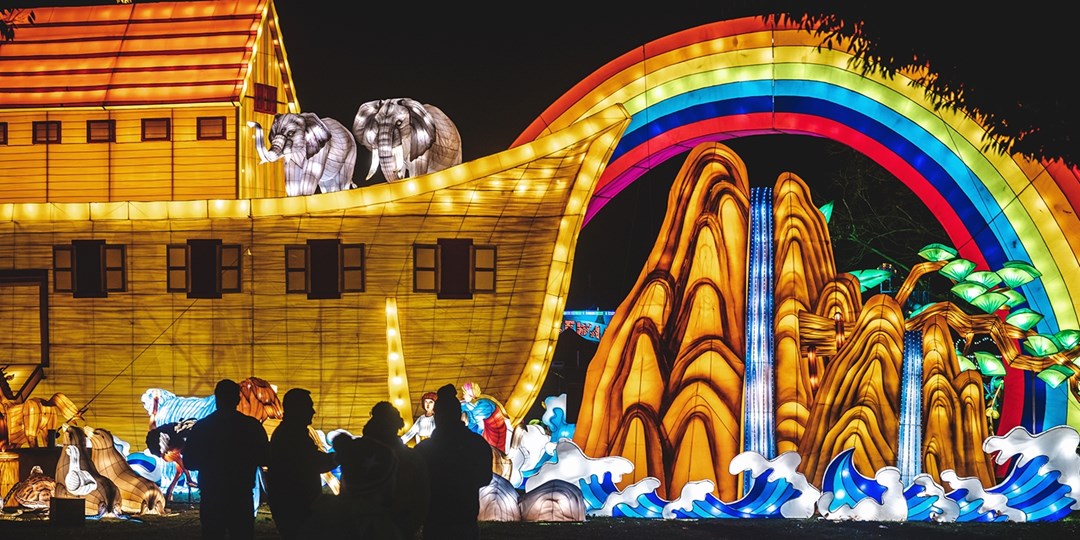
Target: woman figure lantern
pixel 425 423
pixel 486 416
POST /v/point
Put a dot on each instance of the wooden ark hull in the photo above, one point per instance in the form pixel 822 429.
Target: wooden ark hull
pixel 103 353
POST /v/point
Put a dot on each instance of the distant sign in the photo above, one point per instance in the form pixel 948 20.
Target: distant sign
pixel 587 324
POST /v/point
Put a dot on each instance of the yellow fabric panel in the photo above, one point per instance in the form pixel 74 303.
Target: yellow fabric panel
pixel 107 351
pixel 20 327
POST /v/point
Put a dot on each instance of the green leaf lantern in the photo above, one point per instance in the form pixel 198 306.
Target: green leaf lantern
pixel 869 279
pixel 1013 297
pixel 826 210
pixel 957 269
pixel 989 302
pixel 937 252
pixel 984 278
pixel 967 290
pixel 965 363
pixel 1067 338
pixel 1040 345
pixel 989 364
pixel 1055 375
pixel 1019 272
pixel 1024 318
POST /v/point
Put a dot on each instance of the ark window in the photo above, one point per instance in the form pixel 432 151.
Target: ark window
pixel 47 132
pixel 89 268
pixel 484 269
pixel 296 266
pixel 230 268
pixel 176 264
pixel 156 129
pixel 425 267
pixel 211 127
pixel 204 268
pixel 3 133
pixel 265 98
pixel 353 268
pixel 64 268
pixel 454 268
pixel 98 131
pixel 324 268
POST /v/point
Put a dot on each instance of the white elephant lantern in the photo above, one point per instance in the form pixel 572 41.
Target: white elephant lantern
pixel 406 138
pixel 319 152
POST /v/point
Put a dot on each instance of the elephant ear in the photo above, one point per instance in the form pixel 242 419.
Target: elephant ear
pixel 423 128
pixel 361 125
pixel 316 134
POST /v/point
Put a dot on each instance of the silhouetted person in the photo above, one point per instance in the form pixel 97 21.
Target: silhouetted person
pixel 362 510
pixel 409 499
pixel 458 464
pixel 227 448
pixel 296 465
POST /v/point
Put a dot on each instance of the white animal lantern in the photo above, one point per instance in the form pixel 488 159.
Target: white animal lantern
pixel 318 152
pixel 406 138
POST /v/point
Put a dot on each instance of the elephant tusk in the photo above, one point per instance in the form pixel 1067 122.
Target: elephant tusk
pixel 374 164
pixel 399 162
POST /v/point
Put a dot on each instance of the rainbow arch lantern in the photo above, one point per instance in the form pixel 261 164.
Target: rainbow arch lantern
pixel 748 76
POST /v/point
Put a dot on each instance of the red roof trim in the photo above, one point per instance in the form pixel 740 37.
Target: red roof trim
pixel 113 103
pixel 110 86
pixel 135 20
pixel 130 38
pixel 166 52
pixel 100 71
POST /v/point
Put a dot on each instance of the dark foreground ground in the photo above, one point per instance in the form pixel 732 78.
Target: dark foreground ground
pixel 183 523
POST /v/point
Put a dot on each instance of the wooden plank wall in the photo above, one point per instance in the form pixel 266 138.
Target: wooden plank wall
pixel 184 168
pixel 107 351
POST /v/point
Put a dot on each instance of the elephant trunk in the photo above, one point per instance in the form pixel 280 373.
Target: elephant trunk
pixel 265 156
pixel 391 160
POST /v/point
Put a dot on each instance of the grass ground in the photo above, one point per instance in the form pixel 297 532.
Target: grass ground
pixel 183 523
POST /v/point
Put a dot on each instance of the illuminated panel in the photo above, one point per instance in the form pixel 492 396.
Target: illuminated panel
pixel 608 127
pixel 397 380
pixel 995 216
pixel 760 423
pixel 909 455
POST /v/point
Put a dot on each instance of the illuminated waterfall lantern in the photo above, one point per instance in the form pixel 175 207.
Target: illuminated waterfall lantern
pixel 670 388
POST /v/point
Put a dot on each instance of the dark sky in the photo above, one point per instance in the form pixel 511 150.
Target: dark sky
pixel 494 73
pixel 491 72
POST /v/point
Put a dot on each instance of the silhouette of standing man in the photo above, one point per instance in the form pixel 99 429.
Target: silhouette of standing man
pixel 227 448
pixel 458 464
pixel 296 463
